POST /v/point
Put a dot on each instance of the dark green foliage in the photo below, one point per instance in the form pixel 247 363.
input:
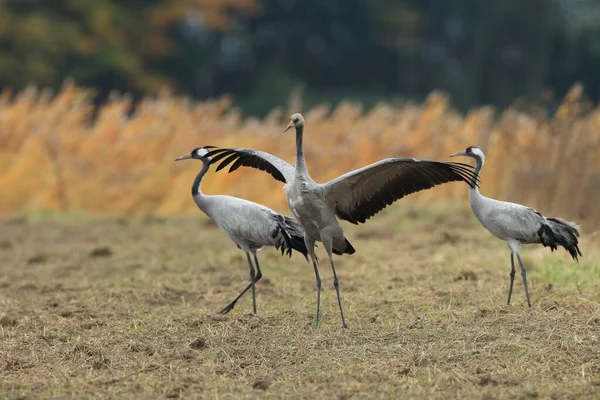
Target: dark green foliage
pixel 258 50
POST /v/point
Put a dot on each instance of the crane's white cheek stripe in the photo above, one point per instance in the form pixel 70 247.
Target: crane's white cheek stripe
pixel 478 152
pixel 202 152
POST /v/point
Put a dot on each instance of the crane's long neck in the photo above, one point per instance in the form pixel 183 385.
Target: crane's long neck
pixel 300 162
pixel 479 204
pixel 196 191
pixel 474 194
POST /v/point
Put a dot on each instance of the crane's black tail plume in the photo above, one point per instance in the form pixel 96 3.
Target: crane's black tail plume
pixel 347 250
pixel 556 232
pixel 289 235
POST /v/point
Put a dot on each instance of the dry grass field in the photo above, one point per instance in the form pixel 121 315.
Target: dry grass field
pixel 125 308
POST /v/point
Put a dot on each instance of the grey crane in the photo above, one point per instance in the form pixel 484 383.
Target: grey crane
pixel 353 197
pixel 249 225
pixel 518 224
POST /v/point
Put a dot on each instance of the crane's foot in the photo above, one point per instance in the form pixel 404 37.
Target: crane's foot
pixel 227 308
pixel 345 326
pixel 317 323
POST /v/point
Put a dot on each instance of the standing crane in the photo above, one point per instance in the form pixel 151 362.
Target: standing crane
pixel 353 197
pixel 249 225
pixel 518 224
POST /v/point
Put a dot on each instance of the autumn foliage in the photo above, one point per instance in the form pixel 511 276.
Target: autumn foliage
pixel 54 155
pixel 106 43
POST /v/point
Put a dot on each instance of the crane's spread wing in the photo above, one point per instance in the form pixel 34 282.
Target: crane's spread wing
pixel 275 166
pixel 360 194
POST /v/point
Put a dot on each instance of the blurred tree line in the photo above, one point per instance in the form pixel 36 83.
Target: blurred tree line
pixel 482 52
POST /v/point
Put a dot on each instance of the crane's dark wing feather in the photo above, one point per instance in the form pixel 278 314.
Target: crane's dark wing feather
pixel 360 194
pixel 275 166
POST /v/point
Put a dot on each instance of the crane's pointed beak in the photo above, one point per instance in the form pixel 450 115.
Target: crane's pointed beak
pixel 460 153
pixel 290 125
pixel 184 157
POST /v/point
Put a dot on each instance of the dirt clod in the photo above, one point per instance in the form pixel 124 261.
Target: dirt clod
pixel 8 321
pixel 550 306
pixel 84 349
pixel 101 252
pixel 39 259
pixel 486 379
pixel 261 385
pixel 198 343
pixel 449 238
pixel 100 363
pixel 136 347
pixel 466 276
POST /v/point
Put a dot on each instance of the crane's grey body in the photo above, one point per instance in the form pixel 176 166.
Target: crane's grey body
pixel 517 224
pixel 354 197
pixel 505 220
pixel 313 212
pixel 251 226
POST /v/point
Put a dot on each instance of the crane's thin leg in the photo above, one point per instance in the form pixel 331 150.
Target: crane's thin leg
pixel 310 246
pixel 524 275
pixel 252 282
pixel 328 245
pixel 230 306
pixel 257 265
pixel 512 276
